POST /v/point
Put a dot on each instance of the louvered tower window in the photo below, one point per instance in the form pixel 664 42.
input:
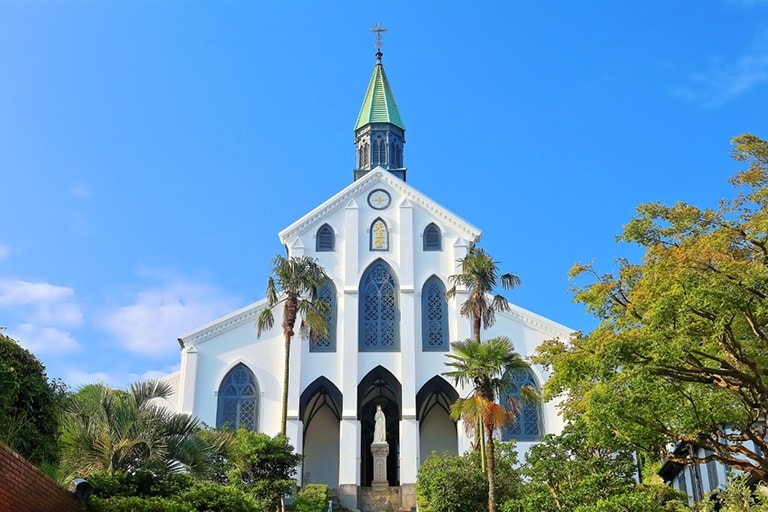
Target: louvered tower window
pixel 379 153
pixel 238 400
pixel 325 238
pixel 326 292
pixel 528 424
pixel 434 316
pixel 379 317
pixel 432 238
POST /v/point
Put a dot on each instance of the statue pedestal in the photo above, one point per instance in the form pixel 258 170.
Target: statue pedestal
pixel 380 452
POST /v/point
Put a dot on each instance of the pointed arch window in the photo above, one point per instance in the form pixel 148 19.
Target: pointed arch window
pixel 433 238
pixel 434 316
pixel 379 152
pixel 379 321
pixel 325 239
pixel 326 292
pixel 238 400
pixel 528 424
pixel 379 234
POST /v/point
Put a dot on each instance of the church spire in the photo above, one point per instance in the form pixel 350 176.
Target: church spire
pixel 379 130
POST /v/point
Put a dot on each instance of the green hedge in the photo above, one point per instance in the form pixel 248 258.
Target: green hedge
pixel 135 504
pixel 312 498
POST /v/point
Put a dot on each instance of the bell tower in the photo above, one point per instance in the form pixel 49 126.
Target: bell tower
pixel 379 131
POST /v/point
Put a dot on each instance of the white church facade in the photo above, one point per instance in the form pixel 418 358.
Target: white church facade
pixel 388 250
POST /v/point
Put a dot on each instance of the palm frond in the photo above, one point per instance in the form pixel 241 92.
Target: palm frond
pixel 265 321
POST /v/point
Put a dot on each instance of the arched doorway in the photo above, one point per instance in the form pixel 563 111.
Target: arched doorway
pixel 320 412
pixel 437 429
pixel 379 387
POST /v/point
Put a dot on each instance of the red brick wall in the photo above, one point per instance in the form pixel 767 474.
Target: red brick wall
pixel 23 488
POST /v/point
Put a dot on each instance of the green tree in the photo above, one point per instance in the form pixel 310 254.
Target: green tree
pixel 680 351
pixel 110 431
pixel 263 465
pixel 479 274
pixel 29 404
pixel 487 367
pixel 570 472
pixel 451 483
pixel 737 496
pixel 294 285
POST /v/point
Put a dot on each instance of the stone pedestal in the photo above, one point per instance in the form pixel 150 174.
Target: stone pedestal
pixel 380 451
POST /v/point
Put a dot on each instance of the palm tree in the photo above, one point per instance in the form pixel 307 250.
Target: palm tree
pixel 480 275
pixel 105 430
pixel 295 285
pixel 487 367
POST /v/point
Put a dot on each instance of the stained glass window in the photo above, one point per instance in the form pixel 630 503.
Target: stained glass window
pixel 326 292
pixel 238 400
pixel 379 317
pixel 528 424
pixel 434 316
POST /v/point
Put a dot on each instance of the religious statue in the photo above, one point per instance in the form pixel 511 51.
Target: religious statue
pixel 380 426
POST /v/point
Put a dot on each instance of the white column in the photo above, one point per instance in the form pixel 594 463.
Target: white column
pixel 351 246
pixel 187 380
pixel 465 441
pixel 349 429
pixel 349 460
pixel 410 348
pixel 409 449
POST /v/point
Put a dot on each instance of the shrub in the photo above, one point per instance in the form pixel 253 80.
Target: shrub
pixel 135 504
pixel 141 483
pixel 448 483
pixel 212 497
pixel 312 498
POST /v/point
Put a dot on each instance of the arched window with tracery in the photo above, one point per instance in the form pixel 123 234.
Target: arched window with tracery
pixel 326 292
pixel 379 321
pixel 528 425
pixel 434 316
pixel 325 239
pixel 432 238
pixel 238 400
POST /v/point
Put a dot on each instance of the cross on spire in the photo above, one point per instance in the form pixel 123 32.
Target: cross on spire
pixel 378 29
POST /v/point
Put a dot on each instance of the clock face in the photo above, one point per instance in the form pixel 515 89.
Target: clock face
pixel 379 199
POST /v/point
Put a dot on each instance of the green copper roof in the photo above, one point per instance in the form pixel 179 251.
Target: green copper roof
pixel 379 104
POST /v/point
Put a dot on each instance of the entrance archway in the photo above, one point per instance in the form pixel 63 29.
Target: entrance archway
pixel 320 412
pixel 437 429
pixel 379 387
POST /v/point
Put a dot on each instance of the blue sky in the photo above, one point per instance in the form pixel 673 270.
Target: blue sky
pixel 150 151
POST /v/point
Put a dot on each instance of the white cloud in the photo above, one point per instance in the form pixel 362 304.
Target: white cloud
pixel 44 340
pixel 151 325
pixel 77 378
pixel 748 3
pixel 724 83
pixel 48 304
pixel 5 251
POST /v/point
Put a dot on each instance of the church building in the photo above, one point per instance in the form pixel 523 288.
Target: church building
pixel 388 250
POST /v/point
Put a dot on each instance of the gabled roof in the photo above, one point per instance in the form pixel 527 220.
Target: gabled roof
pixel 378 176
pixel 537 322
pixel 223 324
pixel 379 104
